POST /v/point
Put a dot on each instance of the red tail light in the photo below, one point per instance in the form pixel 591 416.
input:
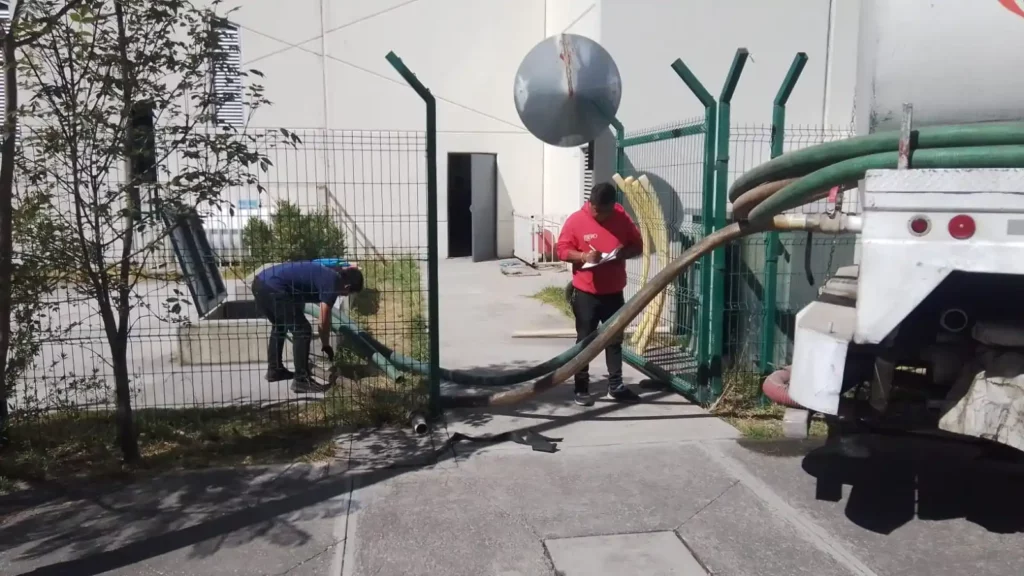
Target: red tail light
pixel 962 227
pixel 919 225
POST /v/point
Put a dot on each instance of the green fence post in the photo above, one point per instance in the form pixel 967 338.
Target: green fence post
pixel 771 247
pixel 433 307
pixel 707 209
pixel 721 192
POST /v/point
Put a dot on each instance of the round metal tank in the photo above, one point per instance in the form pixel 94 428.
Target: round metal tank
pixel 956 61
pixel 567 90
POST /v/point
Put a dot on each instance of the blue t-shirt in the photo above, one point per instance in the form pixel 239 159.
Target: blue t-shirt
pixel 306 282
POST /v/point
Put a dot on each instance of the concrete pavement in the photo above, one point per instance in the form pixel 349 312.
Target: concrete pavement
pixel 396 504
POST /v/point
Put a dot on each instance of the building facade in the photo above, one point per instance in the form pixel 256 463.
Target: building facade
pixel 325 70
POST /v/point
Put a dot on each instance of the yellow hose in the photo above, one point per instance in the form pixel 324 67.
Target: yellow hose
pixel 652 315
pixel 633 195
pixel 645 203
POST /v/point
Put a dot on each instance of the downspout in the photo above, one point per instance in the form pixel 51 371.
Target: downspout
pixel 826 100
pixel 324 8
pixel 543 154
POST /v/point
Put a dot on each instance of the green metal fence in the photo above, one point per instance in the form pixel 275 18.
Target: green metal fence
pixel 673 158
pixel 729 320
pixel 758 337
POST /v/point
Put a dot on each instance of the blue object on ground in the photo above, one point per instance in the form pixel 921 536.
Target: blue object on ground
pixel 333 262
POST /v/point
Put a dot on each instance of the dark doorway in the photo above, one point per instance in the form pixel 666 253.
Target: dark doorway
pixel 460 199
pixel 473 206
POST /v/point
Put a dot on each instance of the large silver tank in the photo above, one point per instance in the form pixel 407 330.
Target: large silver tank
pixel 224 231
pixel 956 61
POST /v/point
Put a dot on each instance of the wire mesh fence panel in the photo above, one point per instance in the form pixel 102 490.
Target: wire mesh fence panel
pixel 178 306
pixel 669 162
pixel 805 262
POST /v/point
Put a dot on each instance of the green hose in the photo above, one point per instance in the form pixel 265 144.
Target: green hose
pixel 807 160
pixel 346 326
pixel 798 193
pixel 360 342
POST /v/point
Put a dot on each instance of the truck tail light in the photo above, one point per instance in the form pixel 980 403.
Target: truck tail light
pixel 920 225
pixel 962 227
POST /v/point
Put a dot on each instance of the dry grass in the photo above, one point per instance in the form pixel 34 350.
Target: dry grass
pixel 66 447
pixel 743 407
pixel 391 309
pixel 554 296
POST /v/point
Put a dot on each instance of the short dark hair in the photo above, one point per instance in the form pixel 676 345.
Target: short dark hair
pixel 603 195
pixel 351 277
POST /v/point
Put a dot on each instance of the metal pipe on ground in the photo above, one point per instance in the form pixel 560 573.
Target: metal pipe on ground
pixel 419 424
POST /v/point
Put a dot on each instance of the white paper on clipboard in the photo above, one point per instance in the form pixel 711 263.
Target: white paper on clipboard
pixel 604 258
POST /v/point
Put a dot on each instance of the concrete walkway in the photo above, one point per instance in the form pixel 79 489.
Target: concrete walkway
pixel 658 488
pixel 693 503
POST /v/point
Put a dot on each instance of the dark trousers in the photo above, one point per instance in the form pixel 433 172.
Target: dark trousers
pixel 286 315
pixel 590 311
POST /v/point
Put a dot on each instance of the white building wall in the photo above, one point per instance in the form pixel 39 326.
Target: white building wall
pixel 325 69
pixel 646 36
pixel 465 51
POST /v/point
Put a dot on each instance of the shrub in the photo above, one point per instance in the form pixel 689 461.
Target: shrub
pixel 292 235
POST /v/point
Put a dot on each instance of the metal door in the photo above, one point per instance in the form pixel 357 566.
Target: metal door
pixel 484 183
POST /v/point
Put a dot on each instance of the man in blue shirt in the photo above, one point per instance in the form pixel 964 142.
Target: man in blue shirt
pixel 281 292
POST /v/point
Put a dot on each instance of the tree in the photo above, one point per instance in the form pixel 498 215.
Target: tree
pixel 97 80
pixel 21 285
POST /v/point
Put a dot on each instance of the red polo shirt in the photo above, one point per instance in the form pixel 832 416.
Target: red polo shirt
pixel 581 232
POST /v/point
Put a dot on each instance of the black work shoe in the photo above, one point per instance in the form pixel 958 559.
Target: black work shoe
pixel 583 399
pixel 278 374
pixel 622 394
pixel 306 385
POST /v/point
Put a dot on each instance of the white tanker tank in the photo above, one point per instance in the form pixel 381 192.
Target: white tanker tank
pixel 925 333
pixel 956 61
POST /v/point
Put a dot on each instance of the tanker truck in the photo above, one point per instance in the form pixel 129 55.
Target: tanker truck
pixel 924 333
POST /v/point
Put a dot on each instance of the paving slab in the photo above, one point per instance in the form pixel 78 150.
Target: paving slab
pixel 428 524
pixel 899 514
pixel 647 553
pixel 737 535
pixel 440 521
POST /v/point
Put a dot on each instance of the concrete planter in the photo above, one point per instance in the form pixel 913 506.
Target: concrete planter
pixel 235 333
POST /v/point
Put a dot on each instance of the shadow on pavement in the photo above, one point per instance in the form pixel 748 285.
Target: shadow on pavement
pixel 904 478
pixel 96 529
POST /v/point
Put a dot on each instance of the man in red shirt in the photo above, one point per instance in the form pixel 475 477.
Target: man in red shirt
pixel 599 227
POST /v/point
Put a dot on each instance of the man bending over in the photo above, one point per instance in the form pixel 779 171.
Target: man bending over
pixel 599 227
pixel 281 292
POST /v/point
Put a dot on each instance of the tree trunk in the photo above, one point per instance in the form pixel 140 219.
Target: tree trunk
pixel 119 343
pixel 7 150
pixel 126 437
